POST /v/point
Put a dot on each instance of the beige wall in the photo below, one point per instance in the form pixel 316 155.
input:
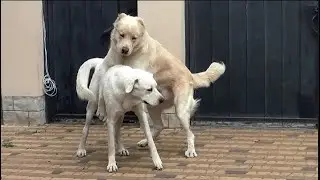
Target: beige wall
pixel 21 43
pixel 21 48
pixel 165 22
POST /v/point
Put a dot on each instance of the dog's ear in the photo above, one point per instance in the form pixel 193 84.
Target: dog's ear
pixel 130 85
pixel 105 36
pixel 140 21
pixel 120 16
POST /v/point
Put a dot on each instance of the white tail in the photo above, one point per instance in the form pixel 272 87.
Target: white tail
pixel 82 89
pixel 203 79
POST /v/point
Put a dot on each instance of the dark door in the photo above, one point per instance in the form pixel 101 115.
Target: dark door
pixel 271 53
pixel 73 29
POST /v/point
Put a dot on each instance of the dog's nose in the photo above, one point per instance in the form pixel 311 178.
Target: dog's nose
pixel 161 100
pixel 125 50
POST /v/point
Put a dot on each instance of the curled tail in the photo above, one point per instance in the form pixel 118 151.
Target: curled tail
pixel 203 79
pixel 82 89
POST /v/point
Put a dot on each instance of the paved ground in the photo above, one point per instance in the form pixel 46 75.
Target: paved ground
pixel 48 152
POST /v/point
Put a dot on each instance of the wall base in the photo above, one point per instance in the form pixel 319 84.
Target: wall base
pixel 23 110
pixel 170 119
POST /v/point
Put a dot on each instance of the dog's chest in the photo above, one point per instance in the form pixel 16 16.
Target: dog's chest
pixel 128 104
pixel 166 92
pixel 137 62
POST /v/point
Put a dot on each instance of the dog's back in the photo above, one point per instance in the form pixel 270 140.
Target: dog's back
pixel 110 82
pixel 112 88
pixel 123 87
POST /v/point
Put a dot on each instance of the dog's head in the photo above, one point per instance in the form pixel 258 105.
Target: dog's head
pixel 144 87
pixel 127 34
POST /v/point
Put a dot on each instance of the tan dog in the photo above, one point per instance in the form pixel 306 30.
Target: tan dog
pixel 132 45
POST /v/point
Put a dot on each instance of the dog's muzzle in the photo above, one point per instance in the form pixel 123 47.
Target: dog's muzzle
pixel 161 100
pixel 125 51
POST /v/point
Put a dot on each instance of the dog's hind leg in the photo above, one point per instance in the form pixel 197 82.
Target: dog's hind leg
pixel 155 115
pixel 91 107
pixel 121 149
pixel 183 102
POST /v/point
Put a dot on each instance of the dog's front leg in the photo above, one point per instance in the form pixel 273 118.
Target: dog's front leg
pixel 112 164
pixel 155 115
pixel 101 105
pixel 142 116
pixel 95 88
pixel 121 149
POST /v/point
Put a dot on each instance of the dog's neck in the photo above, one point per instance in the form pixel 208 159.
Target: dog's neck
pixel 112 58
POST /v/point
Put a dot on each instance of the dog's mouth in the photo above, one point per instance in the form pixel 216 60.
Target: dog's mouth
pixel 146 102
pixel 125 55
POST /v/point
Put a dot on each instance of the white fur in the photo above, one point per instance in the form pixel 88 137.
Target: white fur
pixel 148 54
pixel 82 78
pixel 124 89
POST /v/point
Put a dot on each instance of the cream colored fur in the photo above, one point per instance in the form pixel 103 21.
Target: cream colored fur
pixel 175 81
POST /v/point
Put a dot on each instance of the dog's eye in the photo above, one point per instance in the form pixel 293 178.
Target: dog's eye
pixel 133 38
pixel 149 89
pixel 122 35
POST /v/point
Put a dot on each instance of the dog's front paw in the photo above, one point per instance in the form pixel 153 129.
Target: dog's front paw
pixel 190 153
pixel 143 143
pixel 157 163
pixel 100 115
pixel 81 152
pixel 112 167
pixel 123 152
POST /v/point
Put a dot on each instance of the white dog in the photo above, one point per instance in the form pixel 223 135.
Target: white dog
pixel 124 89
pixel 132 45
